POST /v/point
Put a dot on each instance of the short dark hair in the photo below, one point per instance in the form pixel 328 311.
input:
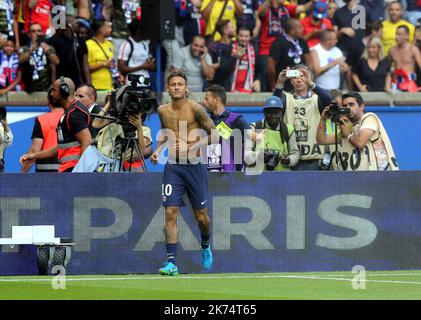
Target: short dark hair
pixel 218 91
pixel 177 73
pixel 244 28
pixel 354 95
pixel 221 25
pixel 325 35
pixel 97 24
pixel 91 88
pixel 290 25
pixel 404 27
pixel 134 26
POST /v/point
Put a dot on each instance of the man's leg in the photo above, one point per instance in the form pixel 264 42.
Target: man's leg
pixel 171 237
pixel 204 223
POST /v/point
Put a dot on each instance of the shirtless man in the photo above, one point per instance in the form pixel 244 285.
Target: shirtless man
pixel 182 118
pixel 404 56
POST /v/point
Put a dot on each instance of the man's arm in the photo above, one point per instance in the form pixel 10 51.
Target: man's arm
pixel 207 70
pixel 35 147
pixel 361 138
pixel 162 139
pixel 293 150
pixel 207 11
pixel 206 124
pixel 84 137
pixel 85 67
pixel 321 136
pixel 239 9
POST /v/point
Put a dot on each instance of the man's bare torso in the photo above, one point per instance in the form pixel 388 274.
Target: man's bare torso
pixel 403 57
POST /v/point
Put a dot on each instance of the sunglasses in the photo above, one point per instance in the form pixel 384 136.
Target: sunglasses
pixel 36 30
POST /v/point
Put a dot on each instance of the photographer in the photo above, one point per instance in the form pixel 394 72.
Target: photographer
pixel 364 143
pixel 38 60
pixel 274 138
pixel 6 136
pixel 110 133
pixel 302 110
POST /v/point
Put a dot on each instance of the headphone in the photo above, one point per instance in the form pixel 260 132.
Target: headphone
pixel 64 89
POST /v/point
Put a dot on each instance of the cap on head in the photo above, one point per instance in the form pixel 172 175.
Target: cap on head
pixel 320 10
pixel 273 102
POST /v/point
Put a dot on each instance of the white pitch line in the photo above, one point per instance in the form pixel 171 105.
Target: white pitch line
pixel 208 278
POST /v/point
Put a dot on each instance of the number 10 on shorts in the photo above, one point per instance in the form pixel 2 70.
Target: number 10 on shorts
pixel 166 191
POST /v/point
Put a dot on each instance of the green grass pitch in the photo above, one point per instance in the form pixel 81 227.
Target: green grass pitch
pixel 253 286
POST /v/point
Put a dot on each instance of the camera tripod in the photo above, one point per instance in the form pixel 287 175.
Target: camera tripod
pixel 129 141
pixel 336 154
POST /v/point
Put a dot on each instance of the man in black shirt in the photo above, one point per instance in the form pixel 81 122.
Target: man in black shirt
pixel 73 131
pixel 349 38
pixel 72 52
pixel 287 51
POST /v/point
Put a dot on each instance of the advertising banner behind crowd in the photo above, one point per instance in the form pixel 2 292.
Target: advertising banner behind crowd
pixel 294 221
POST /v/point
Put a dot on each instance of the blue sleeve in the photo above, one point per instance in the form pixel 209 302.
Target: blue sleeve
pixel 324 98
pixel 241 123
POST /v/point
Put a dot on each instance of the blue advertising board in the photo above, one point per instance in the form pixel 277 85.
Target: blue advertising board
pixel 273 222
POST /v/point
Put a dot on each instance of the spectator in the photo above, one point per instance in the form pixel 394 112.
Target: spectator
pixel 331 9
pixel 287 51
pixel 372 73
pixel 39 61
pixel 246 71
pixel 412 10
pixel 216 10
pixel 191 19
pixel 135 55
pixel 87 95
pixel 275 140
pixel 10 73
pixel 374 9
pixel 302 110
pixel 8 24
pixel 374 29
pixel 227 154
pixel 195 62
pixel 72 52
pixel 349 39
pixel 250 18
pixel 121 13
pixel 404 56
pixel 6 136
pixel 274 15
pixel 217 48
pixel 390 26
pixel 315 23
pixel 38 11
pixel 101 56
pixel 328 62
pixel 44 136
pixel 365 144
pixel 85 32
pixel 417 43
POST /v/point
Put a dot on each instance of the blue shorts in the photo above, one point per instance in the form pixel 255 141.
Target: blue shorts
pixel 181 178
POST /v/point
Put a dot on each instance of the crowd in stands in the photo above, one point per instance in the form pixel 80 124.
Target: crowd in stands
pixel 241 45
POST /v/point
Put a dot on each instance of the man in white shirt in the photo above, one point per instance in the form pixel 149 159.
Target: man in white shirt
pixel 328 62
pixel 135 56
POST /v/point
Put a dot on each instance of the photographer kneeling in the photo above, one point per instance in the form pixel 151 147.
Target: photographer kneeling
pixel 274 138
pixel 111 136
pixel 363 143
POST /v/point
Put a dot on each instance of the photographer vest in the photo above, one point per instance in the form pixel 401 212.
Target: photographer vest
pixel 303 114
pixel 48 123
pixel 220 156
pixel 68 148
pixel 272 139
pixel 378 151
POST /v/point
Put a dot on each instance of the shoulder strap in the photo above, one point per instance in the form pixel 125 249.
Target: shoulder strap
pixel 99 45
pixel 131 51
pixel 231 118
pixel 219 18
pixel 283 131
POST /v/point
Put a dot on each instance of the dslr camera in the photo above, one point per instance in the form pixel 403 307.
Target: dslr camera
pixel 335 112
pixel 271 159
pixel 130 100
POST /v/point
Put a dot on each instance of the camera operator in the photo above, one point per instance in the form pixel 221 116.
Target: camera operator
pixel 6 136
pixel 303 107
pixel 364 143
pixel 274 138
pixel 109 133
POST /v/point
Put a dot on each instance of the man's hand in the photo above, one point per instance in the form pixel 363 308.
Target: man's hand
pixel 136 121
pixel 154 158
pixel 45 47
pixel 348 31
pixel 27 158
pixel 346 126
pixel 285 160
pixel 282 78
pixel 257 86
pixel 305 76
pixel 325 114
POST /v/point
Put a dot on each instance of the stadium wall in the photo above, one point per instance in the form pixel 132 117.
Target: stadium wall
pixel 273 222
pixel 402 124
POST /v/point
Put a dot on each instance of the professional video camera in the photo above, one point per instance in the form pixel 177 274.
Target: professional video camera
pixel 130 100
pixel 271 159
pixel 335 112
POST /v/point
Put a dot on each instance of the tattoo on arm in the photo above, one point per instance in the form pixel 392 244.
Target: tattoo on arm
pixel 202 117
